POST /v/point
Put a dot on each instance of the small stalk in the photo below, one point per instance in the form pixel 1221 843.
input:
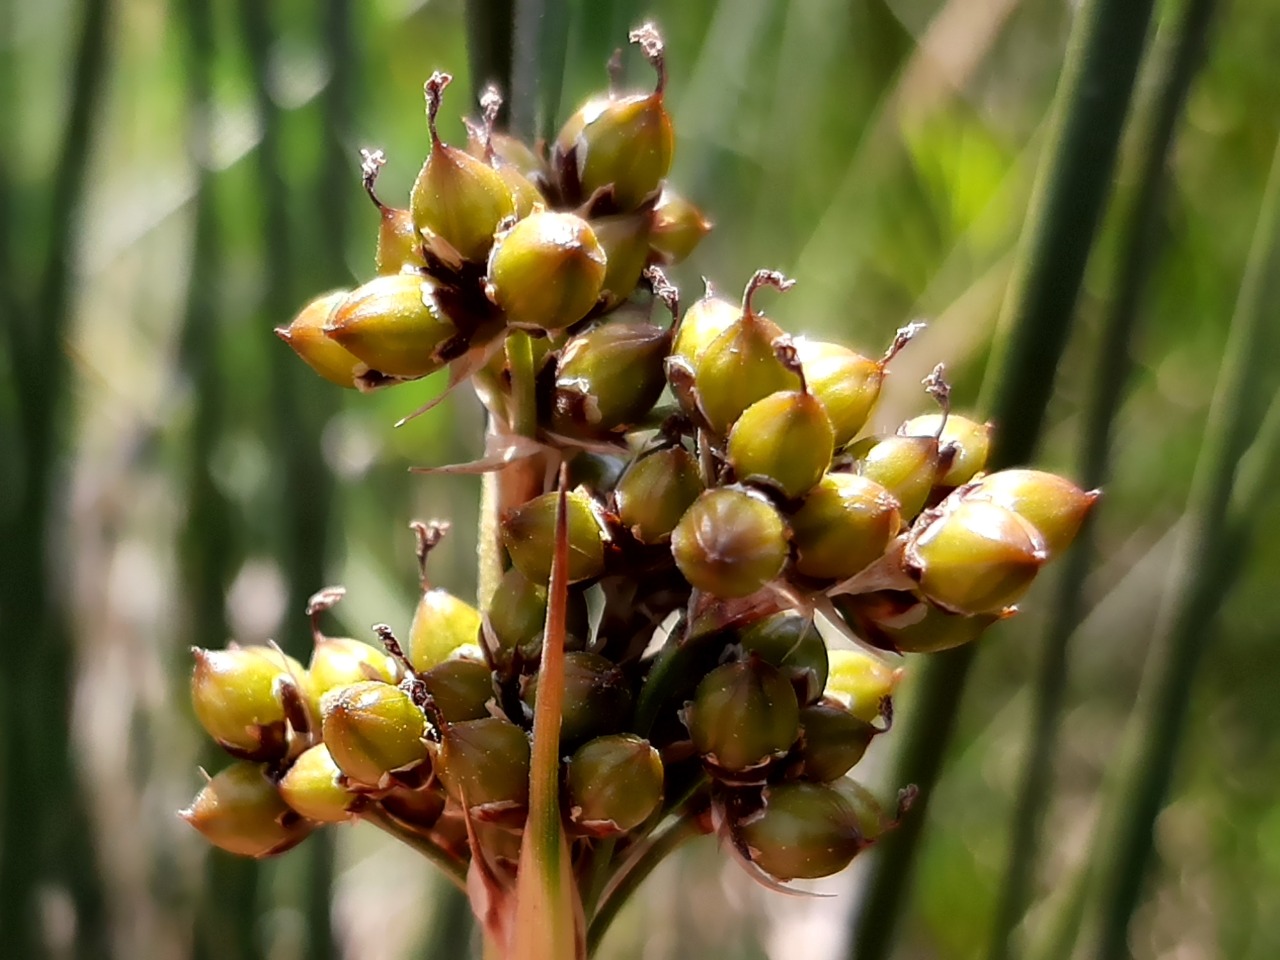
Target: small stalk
pixel 454 870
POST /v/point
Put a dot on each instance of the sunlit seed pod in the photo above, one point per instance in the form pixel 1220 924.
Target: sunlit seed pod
pixel 547 271
pixel 916 627
pixel 457 197
pixel 524 192
pixel 907 467
pixel 340 661
pixel 395 325
pixel 517 615
pixel 461 689
pixel 597 699
pixel 738 368
pixel 783 441
pixel 832 740
pixel 975 557
pixel 678 227
pixel 730 542
pixel 313 787
pixel 241 811
pixel 703 321
pixel 515 153
pixel 1055 506
pixel 486 761
pixel 656 491
pixel 625 241
pixel 609 377
pixel 970 440
pixel 238 698
pixel 860 682
pixel 528 533
pixel 305 335
pixel 743 715
pixel 847 383
pixel 373 730
pixel 872 820
pixel 614 784
pixel 441 624
pixel 597 471
pixel 803 831
pixel 399 243
pixel 791 642
pixel 844 524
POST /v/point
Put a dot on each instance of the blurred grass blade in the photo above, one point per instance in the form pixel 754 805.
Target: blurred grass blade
pixel 1072 187
pixel 1112 365
pixel 490 46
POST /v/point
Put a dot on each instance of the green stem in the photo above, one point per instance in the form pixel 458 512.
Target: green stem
pixel 490 25
pixel 1072 187
pixel 1139 242
pixel 453 868
pixel 524 397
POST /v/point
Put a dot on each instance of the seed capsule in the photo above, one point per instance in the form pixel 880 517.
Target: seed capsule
pixel 832 740
pixel 399 243
pixel 524 193
pixel 730 543
pixel 374 730
pixel 528 533
pixel 609 377
pixel 340 661
pixel 656 491
pixel 614 784
pixel 395 325
pixel 844 524
pixel 517 616
pixel 457 197
pixel 783 441
pixel 240 811
pixel 547 271
pixel 860 683
pixel 847 383
pixel 872 821
pixel 238 698
pixel 975 557
pixel 596 697
pixel 803 831
pixel 908 624
pixel 678 227
pixel 461 689
pixel 1055 506
pixel 743 715
pixel 702 322
pixel 313 787
pixel 305 335
pixel 970 440
pixel 485 761
pixel 907 467
pixel 441 624
pixel 625 241
pixel 790 642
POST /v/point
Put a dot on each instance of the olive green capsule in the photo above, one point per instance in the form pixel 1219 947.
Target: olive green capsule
pixel 524 192
pixel 517 616
pixel 614 784
pixel 313 787
pixel 730 543
pixel 844 524
pixel 596 696
pixel 784 442
pixel 374 731
pixel 441 624
pixel 790 641
pixel 678 227
pixel 871 818
pixel 970 442
pixel 514 152
pixel 547 271
pixel 305 335
pixel 460 688
pixel 803 831
pixel 238 696
pixel 609 377
pixel 832 740
pixel 1055 506
pixel 340 661
pixel 907 467
pixel 399 243
pixel 656 491
pixel 486 762
pixel 743 715
pixel 241 811
pixel 528 533
pixel 860 682
pixel 703 321
pixel 974 557
pixel 625 241
pixel 909 624
pixel 395 325
pixel 457 197
pixel 847 383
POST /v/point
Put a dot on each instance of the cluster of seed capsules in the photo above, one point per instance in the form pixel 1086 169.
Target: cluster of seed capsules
pixel 724 503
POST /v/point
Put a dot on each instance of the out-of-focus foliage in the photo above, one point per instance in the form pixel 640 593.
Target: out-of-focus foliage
pixel 880 152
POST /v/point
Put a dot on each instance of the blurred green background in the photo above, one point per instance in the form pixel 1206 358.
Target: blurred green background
pixel 176 178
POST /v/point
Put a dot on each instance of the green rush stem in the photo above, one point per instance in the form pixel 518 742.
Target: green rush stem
pixel 1139 243
pixel 1072 187
pixel 524 397
pixel 453 868
pixel 490 33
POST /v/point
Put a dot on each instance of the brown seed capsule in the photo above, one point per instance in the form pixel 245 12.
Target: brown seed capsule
pixel 485 761
pixel 832 740
pixel 625 241
pixel 546 272
pixel 783 441
pixel 906 623
pixel 678 227
pixel 872 821
pixel 313 787
pixel 395 325
pixel 339 661
pixel 743 715
pixel 614 784
pixel 847 383
pixel 305 335
pixel 528 533
pixel 609 377
pixel 803 831
pixel 791 642
pixel 970 440
pixel 374 730
pixel 441 624
pixel 907 467
pixel 241 811
pixel 596 697
pixel 238 696
pixel 461 689
pixel 860 682
pixel 1055 506
pixel 656 491
pixel 730 543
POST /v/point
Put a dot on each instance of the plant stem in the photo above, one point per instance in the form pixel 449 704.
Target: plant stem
pixel 1112 362
pixel 453 868
pixel 1072 187
pixel 524 398
pixel 490 27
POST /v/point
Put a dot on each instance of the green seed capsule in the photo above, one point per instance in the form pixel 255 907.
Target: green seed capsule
pixel 678 227
pixel 743 715
pixel 609 377
pixel 528 533
pixel 441 624
pixel 872 821
pixel 625 241
pixel 740 367
pixel 832 740
pixel 860 682
pixel 847 383
pixel 1055 506
pixel 790 642
pixel 803 831
pixel 844 524
pixel 514 152
pixel 313 787
pixel 305 335
pixel 970 440
pixel 702 322
pixel 485 761
pixel 395 325
pixel 457 197
pixel 783 441
pixel 975 557
pixel 614 784
pixel 596 697
pixel 240 811
pixel 461 689
pixel 399 243
pixel 730 543
pixel 238 698
pixel 907 467
pixel 340 661
pixel 374 730
pixel 517 616
pixel 524 193
pixel 547 271
pixel 656 491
